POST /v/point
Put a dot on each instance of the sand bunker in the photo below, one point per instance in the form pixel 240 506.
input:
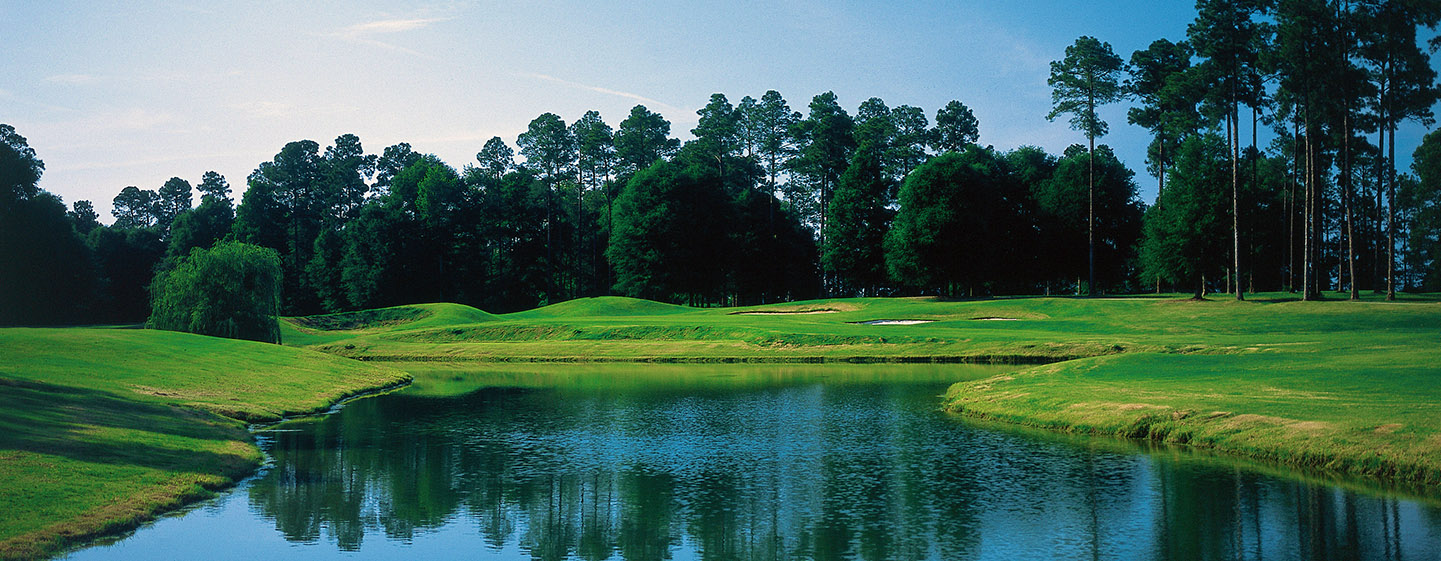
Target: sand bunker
pixel 893 322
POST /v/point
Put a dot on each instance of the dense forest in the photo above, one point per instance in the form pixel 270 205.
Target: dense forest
pixel 768 203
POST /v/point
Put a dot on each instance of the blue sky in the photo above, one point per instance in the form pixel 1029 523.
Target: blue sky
pixel 132 93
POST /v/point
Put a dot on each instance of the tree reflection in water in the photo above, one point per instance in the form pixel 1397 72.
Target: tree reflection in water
pixel 804 469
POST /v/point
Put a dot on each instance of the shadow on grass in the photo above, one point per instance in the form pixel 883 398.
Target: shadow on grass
pixel 95 426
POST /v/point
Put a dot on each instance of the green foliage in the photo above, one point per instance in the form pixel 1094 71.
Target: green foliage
pixel 345 169
pixel 1185 232
pixel 1063 202
pixel 46 277
pixel 45 272
pixel 956 127
pixel 770 123
pixel 202 226
pixel 642 139
pixel 495 158
pixel 82 215
pixel 595 148
pixel 173 198
pixel 669 236
pixel 718 131
pixel 1422 198
pixel 20 169
pixel 231 290
pixel 548 146
pixel 859 220
pixel 826 139
pixel 1167 94
pixel 947 234
pixel 283 210
pixel 126 260
pixel 134 208
pixel 391 161
pixel 1085 79
pixel 213 186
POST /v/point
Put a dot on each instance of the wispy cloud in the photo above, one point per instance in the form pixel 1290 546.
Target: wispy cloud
pixel 119 164
pixel 72 79
pixel 10 97
pixel 387 26
pixel 190 8
pixel 653 104
pixel 365 33
pixel 135 119
pixel 264 109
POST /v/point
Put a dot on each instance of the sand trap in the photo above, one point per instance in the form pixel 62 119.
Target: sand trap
pixel 801 313
pixel 997 319
pixel 893 322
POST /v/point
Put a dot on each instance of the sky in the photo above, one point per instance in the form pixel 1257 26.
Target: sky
pixel 111 94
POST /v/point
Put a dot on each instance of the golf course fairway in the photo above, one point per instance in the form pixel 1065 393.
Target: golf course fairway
pixel 101 429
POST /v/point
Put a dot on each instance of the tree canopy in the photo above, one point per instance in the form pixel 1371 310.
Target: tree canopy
pixel 231 290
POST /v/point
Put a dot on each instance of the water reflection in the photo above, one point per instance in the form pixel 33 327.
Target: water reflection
pixel 743 463
pixel 860 470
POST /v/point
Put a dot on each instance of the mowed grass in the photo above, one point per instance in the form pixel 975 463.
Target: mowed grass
pixel 1339 386
pixel 1015 329
pixel 102 429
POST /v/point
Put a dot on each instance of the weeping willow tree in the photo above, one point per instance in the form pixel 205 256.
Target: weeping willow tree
pixel 231 290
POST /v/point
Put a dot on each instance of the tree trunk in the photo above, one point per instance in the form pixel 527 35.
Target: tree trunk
pixel 1380 202
pixel 1391 218
pixel 1235 195
pixel 1290 228
pixel 1346 195
pixel 1091 222
pixel 1306 253
pixel 1091 189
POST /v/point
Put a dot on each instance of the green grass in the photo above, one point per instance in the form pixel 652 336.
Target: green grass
pixel 102 429
pixel 312 330
pixel 1342 387
pixel 1038 330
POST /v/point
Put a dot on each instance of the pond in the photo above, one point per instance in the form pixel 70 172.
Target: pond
pixel 650 462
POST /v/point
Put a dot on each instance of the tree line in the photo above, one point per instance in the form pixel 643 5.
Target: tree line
pixel 767 203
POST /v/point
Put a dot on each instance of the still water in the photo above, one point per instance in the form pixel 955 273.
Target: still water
pixel 745 462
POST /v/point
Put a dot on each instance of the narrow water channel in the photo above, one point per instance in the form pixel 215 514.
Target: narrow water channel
pixel 748 462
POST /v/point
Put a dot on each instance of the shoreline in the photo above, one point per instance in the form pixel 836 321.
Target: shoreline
pixel 144 424
pixel 1334 470
pixel 115 529
pixel 1131 397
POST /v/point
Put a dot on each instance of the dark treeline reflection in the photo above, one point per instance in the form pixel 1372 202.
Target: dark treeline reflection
pixel 799 470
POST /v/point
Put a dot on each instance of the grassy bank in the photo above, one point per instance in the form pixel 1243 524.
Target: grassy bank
pixel 1358 410
pixel 102 429
pixel 1344 387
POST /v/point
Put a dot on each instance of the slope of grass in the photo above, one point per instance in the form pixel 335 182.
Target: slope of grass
pixel 313 330
pixel 603 306
pixel 102 429
pixel 1019 329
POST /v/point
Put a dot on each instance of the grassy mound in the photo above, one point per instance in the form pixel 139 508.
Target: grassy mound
pixel 320 329
pixel 103 429
pixel 612 306
pixel 364 319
